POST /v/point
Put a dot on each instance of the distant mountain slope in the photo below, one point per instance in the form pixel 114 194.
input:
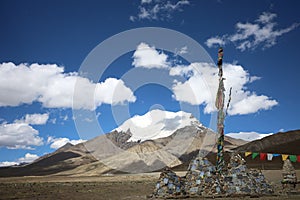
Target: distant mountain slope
pixel 283 143
pixel 178 137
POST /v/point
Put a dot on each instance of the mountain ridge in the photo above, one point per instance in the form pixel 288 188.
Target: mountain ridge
pixel 114 152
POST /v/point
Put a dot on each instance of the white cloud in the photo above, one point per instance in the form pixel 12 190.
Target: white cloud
pixel 158 9
pixel 183 50
pixel 281 130
pixel 248 136
pixel 148 57
pixel 59 142
pixel 28 158
pixel 132 18
pixel 146 1
pixel 266 17
pixel 34 119
pixel 8 163
pixel 195 90
pixel 65 118
pixel 49 85
pixel 215 41
pixel 252 103
pixel 262 32
pixel 19 136
pixel 254 78
pixel 202 83
pixel 113 91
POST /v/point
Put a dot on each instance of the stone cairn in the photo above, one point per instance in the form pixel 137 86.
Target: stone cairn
pixel 241 181
pixel 169 185
pixel 288 174
pixel 203 180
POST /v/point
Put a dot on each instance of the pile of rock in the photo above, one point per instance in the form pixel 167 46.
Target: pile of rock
pixel 169 185
pixel 202 178
pixel 241 181
pixel 262 187
pixel 237 179
pixel 288 173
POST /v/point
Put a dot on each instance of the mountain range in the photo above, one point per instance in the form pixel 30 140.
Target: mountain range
pixel 147 143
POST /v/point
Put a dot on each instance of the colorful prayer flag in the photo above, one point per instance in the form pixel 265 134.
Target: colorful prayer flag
pixel 293 158
pixel 247 154
pixel 269 156
pixel 298 158
pixel 254 155
pixel 262 156
pixel 284 156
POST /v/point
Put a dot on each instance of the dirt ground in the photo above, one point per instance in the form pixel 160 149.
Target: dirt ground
pixel 131 187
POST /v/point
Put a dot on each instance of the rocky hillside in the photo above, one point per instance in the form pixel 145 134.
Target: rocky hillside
pixel 282 143
pixel 174 139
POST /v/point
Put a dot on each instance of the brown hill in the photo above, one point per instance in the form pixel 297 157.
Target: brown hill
pixel 281 143
pixel 95 158
pixel 112 153
pixel 65 158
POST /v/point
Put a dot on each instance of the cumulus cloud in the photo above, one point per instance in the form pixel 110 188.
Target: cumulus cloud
pixel 202 83
pixel 148 57
pixel 8 163
pixel 215 41
pixel 34 119
pixel 252 103
pixel 262 32
pixel 51 86
pixel 59 142
pixel 248 136
pixel 28 158
pixel 19 136
pixel 181 51
pixel 158 9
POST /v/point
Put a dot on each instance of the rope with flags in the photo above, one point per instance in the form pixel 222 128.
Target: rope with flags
pixel 270 156
pixel 229 100
pixel 221 115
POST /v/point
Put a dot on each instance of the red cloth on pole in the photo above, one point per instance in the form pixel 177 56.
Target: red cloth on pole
pixel 263 156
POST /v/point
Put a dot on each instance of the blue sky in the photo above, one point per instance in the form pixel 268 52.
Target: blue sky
pixel 44 43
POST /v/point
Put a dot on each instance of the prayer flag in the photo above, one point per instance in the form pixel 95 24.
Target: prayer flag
pixel 254 155
pixel 262 156
pixel 293 158
pixel 247 153
pixel 269 156
pixel 284 156
pixel 298 158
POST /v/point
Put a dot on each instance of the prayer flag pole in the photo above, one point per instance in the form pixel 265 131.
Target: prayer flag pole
pixel 221 115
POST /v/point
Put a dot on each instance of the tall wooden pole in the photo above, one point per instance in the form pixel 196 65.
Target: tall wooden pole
pixel 221 115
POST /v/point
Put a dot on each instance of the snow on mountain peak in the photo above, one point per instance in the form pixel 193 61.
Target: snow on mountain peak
pixel 249 136
pixel 156 124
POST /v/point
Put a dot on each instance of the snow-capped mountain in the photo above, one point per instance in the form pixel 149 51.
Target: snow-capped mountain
pixel 156 124
pixel 141 144
pixel 249 136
